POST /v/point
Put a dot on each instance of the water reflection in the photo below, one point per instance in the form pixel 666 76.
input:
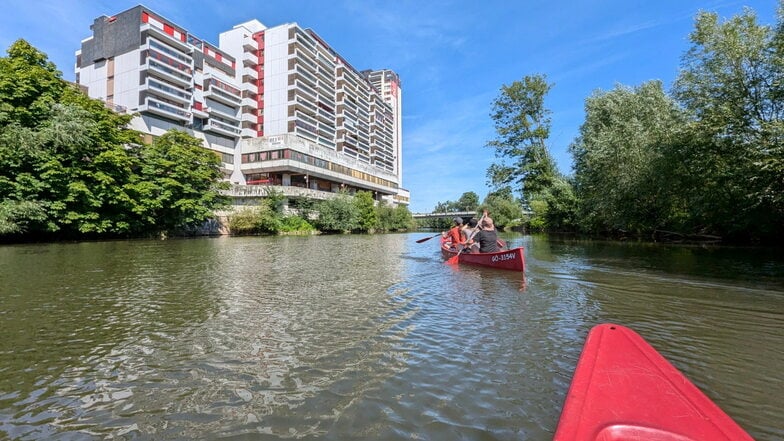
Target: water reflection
pixel 361 337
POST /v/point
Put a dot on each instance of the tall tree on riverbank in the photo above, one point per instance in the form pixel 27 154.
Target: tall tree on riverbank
pixel 63 165
pixel 178 184
pixel 621 179
pixel 522 124
pixel 732 82
pixel 70 167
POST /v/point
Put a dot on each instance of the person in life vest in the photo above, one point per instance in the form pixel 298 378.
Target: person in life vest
pixel 453 236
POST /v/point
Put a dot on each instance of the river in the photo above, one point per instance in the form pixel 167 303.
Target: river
pixel 363 336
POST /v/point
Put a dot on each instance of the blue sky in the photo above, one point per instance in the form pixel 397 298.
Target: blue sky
pixel 453 57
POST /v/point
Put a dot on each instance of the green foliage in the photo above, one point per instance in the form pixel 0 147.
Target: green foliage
pixel 732 82
pixel 401 219
pixel 177 184
pixel 522 124
pixel 338 215
pixel 469 201
pixel 617 157
pixel 275 199
pixel 295 224
pixel 245 221
pixel 17 216
pixel 503 208
pixel 365 206
pixel 561 214
pixel 70 166
pixel 394 218
pixel 30 85
pixel 265 219
pixel 538 220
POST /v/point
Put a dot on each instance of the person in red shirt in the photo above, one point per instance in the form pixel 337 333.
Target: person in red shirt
pixel 453 236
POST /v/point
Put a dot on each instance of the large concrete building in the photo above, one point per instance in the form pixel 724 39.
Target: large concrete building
pixel 279 105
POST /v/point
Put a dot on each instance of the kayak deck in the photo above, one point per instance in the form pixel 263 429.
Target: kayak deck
pixel 624 390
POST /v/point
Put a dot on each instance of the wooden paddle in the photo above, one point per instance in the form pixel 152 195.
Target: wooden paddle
pixel 453 260
pixel 427 238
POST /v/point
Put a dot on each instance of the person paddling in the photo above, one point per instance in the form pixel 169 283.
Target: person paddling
pixel 487 237
pixel 453 236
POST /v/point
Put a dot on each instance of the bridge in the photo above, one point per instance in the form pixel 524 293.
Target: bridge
pixel 465 215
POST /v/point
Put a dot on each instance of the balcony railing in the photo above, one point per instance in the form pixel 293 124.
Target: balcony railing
pixel 249 59
pixel 169 39
pixel 218 94
pixel 168 110
pixel 157 68
pixel 223 128
pixel 159 46
pixel 168 92
pixel 223 113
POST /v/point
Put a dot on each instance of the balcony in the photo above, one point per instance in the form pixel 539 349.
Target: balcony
pixel 249 44
pixel 303 103
pixel 303 76
pixel 250 103
pixel 218 94
pixel 303 117
pixel 249 133
pixel 222 128
pixel 325 116
pixel 168 92
pixel 327 131
pixel 298 57
pixel 221 112
pixel 284 190
pixel 250 86
pixel 249 73
pixel 159 46
pixel 249 117
pixel 167 110
pixel 249 59
pixel 160 34
pixel 325 76
pixel 326 143
pixel 304 90
pixel 156 68
pixel 199 112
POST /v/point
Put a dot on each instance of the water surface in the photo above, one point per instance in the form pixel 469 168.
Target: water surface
pixel 363 337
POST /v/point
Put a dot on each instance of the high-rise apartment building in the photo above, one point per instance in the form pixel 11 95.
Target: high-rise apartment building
pixel 278 104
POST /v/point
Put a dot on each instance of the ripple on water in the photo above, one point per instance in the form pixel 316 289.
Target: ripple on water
pixel 328 338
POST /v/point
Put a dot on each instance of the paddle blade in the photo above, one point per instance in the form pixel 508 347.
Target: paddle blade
pixel 426 238
pixel 453 260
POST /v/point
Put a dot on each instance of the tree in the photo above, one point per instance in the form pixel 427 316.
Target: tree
pixel 732 82
pixel 469 201
pixel 178 184
pixel 503 208
pixel 523 126
pixel 60 151
pixel 618 172
pixel 368 217
pixel 339 214
pixel 30 85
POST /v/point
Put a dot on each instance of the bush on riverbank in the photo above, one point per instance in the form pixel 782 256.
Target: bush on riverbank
pixel 358 213
pixel 345 213
pixel 264 219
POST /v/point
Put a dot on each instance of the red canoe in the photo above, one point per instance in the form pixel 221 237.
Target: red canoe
pixel 508 260
pixel 624 390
